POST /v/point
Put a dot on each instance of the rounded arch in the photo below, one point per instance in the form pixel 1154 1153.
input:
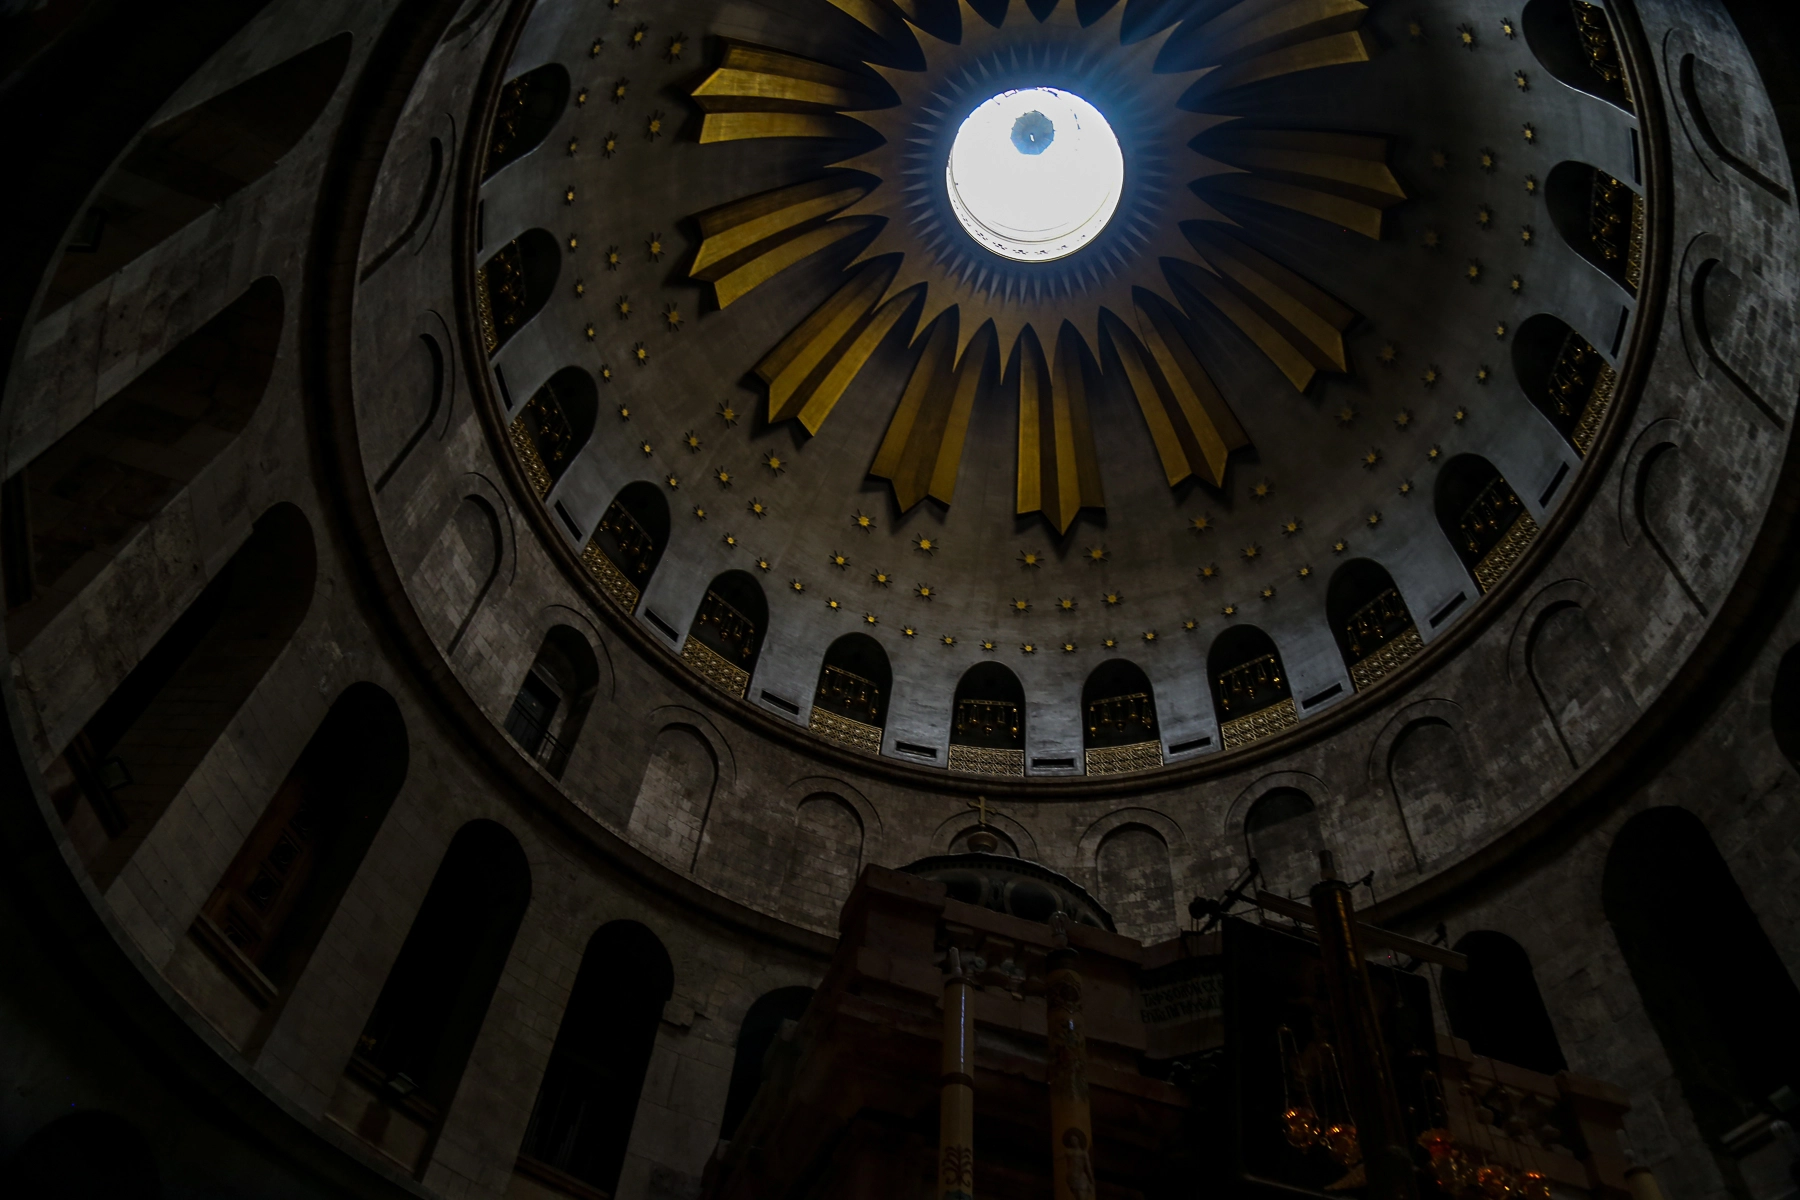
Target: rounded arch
pixel 769 1015
pixel 516 283
pixel 1496 1006
pixel 553 700
pixel 1118 706
pixel 1366 613
pixel 554 425
pixel 731 623
pixel 1564 377
pixel 1245 672
pixel 1600 218
pixel 1476 507
pixel 1577 45
pixel 855 679
pixel 1282 833
pixel 989 708
pixel 634 532
pixel 529 107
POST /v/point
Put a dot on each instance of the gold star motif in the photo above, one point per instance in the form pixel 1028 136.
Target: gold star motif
pixel 1432 240
pixel 1522 81
pixel 1406 487
pixel 574 241
pixel 677 44
pixel 1439 160
pixel 613 258
pixel 672 316
pixel 880 578
pixel 692 441
pixel 1374 518
pixel 1209 572
pixel 928 545
pixel 1388 355
pixel 832 604
pixel 609 145
pixel 987 644
pixel 1115 598
pixel 723 476
pixel 925 591
pixel 758 508
pixel 674 482
pixel 699 512
pixel 1508 28
pixel 797 585
pixel 653 127
pixel 574 146
pixel 1460 415
pixel 1201 524
pixel 641 353
pixel 762 564
pixel 727 413
pixel 1149 635
pixel 775 462
pixel 1483 373
pixel 1517 284
pixel 589 331
pixel 1500 329
pixel 1096 554
pixel 1304 572
pixel 948 640
pixel 1339 546
pixel 1403 418
pixel 569 196
pixel 862 521
pixel 1068 647
pixel 594 52
pixel 623 304
pixel 1346 415
pixel 1525 234
pixel 869 619
pixel 1109 643
pixel 731 540
pixel 1466 35
pixel 1268 592
pixel 1484 216
pixel 1530 132
pixel 1433 453
pixel 1230 610
pixel 1488 160
pixel 1190 625
pixel 1251 551
pixel 909 631
pixel 618 90
pixel 1371 459
pixel 655 246
pixel 1262 490
pixel 638 35
pixel 1030 558
pixel 1290 528
pixel 1430 377
pixel 580 289
pixel 1531 185
pixel 1021 606
pixel 581 96
pixel 1028 648
pixel 1066 603
pixel 1473 271
pixel 645 447
pixel 839 561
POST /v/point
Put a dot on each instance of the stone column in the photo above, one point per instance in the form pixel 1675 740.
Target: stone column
pixel 1071 1124
pixel 956 1096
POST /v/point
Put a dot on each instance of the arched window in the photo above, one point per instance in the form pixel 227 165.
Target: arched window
pixel 1483 517
pixel 514 285
pixel 529 107
pixel 629 542
pixel 850 705
pixel 1601 218
pixel 1720 998
pixel 1564 377
pixel 76 504
pixel 1250 687
pixel 137 751
pixel 272 904
pixel 768 1016
pixel 1576 43
pixel 553 701
pixel 410 1057
pixel 1496 1007
pixel 1119 731
pixel 1374 628
pixel 1281 832
pixel 554 425
pixel 727 632
pixel 987 731
pixel 194 161
pixel 588 1100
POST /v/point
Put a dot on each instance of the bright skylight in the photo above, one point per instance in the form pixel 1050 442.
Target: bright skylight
pixel 1034 175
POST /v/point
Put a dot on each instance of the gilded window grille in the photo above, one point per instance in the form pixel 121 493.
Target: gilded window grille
pixel 612 581
pixel 986 760
pixel 845 731
pixel 484 311
pixel 1118 760
pixel 635 548
pixel 848 694
pixel 1380 636
pixel 1581 388
pixel 1507 551
pixel 1122 720
pixel 727 631
pixel 530 461
pixel 988 723
pixel 1386 658
pixel 502 298
pixel 706 663
pixel 1485 522
pixel 1599 46
pixel 515 97
pixel 1616 228
pixel 1249 687
pixel 1594 414
pixel 1241 731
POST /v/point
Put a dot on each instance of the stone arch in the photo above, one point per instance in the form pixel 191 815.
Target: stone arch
pixel 1483 517
pixel 1567 380
pixel 438 149
pixel 554 697
pixel 1421 759
pixel 1661 497
pixel 529 107
pixel 191 163
pixel 866 812
pixel 769 1016
pixel 138 750
pixel 1717 297
pixel 824 859
pixel 1282 833
pixel 1119 728
pixel 952 834
pixel 1496 1006
pixel 1561 46
pixel 1370 621
pixel 626 546
pixel 87 494
pixel 425 380
pixel 514 284
pixel 728 632
pixel 1557 649
pixel 553 426
pixel 588 1099
pixel 1251 693
pixel 674 800
pixel 461 569
pixel 1131 853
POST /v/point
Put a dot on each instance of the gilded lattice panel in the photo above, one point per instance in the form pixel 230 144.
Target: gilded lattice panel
pixel 846 732
pixel 1259 724
pixel 1117 760
pixel 612 581
pixel 1634 253
pixel 986 760
pixel 708 664
pixel 529 459
pixel 1599 400
pixel 1511 546
pixel 484 311
pixel 1391 654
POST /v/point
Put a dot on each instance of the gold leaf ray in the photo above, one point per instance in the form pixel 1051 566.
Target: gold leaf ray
pixel 759 92
pixel 1191 425
pixel 1256 27
pixel 747 242
pixel 1336 50
pixel 808 371
pixel 1058 468
pixel 923 448
pixel 1341 178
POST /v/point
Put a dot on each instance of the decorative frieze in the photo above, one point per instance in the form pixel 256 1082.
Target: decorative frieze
pixel 986 760
pixel 845 731
pixel 612 581
pixel 1118 760
pixel 1507 551
pixel 1386 658
pixel 712 667
pixel 1259 724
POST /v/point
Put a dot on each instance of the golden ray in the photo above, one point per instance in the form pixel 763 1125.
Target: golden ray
pixel 809 370
pixel 1058 471
pixel 749 241
pixel 1192 427
pixel 1338 177
pixel 922 450
pixel 758 92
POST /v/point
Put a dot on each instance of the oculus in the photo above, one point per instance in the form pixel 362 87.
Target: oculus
pixel 1034 174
